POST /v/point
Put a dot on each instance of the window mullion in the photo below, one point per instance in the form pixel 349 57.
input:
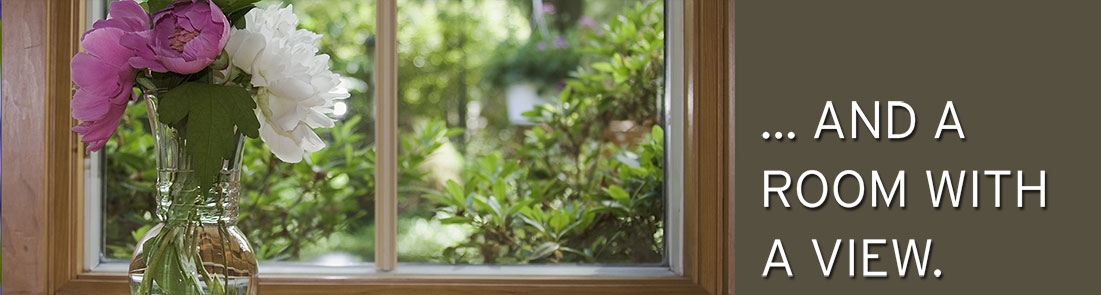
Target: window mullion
pixel 386 141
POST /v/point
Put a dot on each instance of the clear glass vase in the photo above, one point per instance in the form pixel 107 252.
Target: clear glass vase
pixel 196 248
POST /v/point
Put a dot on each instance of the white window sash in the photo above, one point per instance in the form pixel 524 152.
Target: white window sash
pixel 675 129
pixel 386 144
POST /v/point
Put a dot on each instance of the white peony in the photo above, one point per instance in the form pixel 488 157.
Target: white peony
pixel 295 87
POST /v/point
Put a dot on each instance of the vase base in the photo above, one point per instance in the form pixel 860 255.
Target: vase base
pixel 194 260
pixel 237 286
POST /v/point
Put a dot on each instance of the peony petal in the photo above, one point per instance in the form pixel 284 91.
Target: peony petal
pixel 285 114
pixel 293 89
pixel 96 133
pixel 182 66
pixel 284 147
pixel 198 48
pixel 243 49
pixel 162 34
pixel 126 90
pixel 138 42
pixel 202 46
pixel 235 41
pixel 184 22
pixel 143 63
pixel 105 44
pixel 217 16
pixel 95 145
pixel 130 10
pixel 309 140
pixel 199 19
pixel 103 128
pixel 144 57
pixel 314 101
pixel 128 25
pixel 316 119
pixel 88 106
pixel 125 15
pixel 88 72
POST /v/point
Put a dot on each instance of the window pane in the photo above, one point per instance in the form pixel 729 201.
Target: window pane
pixel 321 210
pixel 528 131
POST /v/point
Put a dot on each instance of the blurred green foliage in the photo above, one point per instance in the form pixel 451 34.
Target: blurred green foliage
pixel 347 29
pixel 290 206
pixel 573 191
pixel 285 207
pixel 129 177
pixel 545 58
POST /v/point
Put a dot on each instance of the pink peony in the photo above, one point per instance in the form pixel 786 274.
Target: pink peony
pixel 187 36
pixel 102 72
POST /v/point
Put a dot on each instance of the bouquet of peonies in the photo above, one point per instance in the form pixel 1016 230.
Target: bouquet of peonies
pixel 219 66
pixel 211 72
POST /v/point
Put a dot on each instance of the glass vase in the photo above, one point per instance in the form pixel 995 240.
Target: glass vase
pixel 196 248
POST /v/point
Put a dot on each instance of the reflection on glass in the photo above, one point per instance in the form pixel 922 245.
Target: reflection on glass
pixel 530 131
pixel 320 210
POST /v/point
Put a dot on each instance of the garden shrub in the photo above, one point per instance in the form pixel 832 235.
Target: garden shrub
pixel 285 208
pixel 570 192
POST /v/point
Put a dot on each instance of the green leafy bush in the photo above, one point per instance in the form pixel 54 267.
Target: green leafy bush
pixel 575 191
pixel 546 57
pixel 285 207
pixel 520 215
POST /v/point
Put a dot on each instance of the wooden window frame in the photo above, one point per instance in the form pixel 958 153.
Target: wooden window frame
pixel 43 184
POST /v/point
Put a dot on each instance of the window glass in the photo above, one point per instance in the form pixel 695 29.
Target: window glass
pixel 527 134
pixel 529 131
pixel 320 210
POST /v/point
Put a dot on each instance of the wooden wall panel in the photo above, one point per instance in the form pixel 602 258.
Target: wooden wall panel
pixel 711 142
pixel 24 214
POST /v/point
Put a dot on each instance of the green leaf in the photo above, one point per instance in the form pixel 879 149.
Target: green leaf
pixel 603 66
pixel 496 207
pixel 158 5
pixel 516 207
pixel 140 232
pixel 443 199
pixel 559 222
pixel 231 6
pixel 499 189
pixel 657 135
pixel 533 224
pixel 618 194
pixel 544 250
pixel 168 273
pixel 456 220
pixel 165 264
pixel 237 18
pixel 208 114
pixel 456 193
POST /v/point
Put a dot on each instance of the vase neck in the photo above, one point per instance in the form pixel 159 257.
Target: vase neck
pixel 211 209
pixel 179 198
